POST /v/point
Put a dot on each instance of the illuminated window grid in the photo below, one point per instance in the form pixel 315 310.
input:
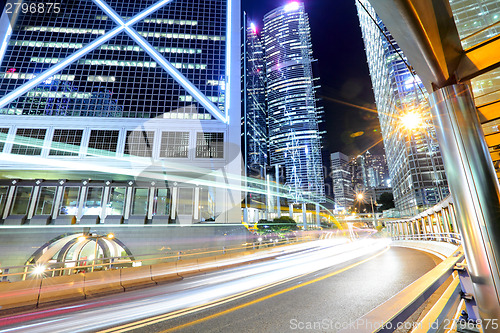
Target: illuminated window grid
pixel 31 141
pixel 103 143
pixel 174 145
pixel 139 143
pixel 3 137
pixel 66 142
pixel 194 42
pixel 209 145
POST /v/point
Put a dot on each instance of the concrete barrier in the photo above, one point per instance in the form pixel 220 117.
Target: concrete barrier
pixel 103 282
pixel 135 277
pixel 62 288
pixel 165 272
pixel 21 294
pixel 207 264
pixel 187 268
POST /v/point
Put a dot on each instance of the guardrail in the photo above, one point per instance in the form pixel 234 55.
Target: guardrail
pixel 394 313
pixel 455 310
pixel 447 237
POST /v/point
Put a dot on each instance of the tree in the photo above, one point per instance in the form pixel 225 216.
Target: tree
pixel 283 223
pixel 387 201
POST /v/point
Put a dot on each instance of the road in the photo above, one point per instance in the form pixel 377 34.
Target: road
pixel 329 284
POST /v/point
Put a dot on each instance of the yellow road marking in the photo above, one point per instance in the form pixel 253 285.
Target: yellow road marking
pixel 273 295
pixel 172 315
pixel 182 312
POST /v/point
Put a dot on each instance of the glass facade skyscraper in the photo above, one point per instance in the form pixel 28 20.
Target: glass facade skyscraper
pixel 414 161
pixel 144 94
pixel 342 181
pixel 254 135
pixel 294 138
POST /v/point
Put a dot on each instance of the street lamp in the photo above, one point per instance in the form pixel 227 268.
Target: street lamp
pixel 360 197
pixel 39 272
pixel 96 238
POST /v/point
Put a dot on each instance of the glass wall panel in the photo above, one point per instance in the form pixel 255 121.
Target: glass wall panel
pixel 116 201
pixel 140 204
pixel 21 200
pixel 206 205
pixel 92 205
pixel 185 202
pixel 69 202
pixel 162 202
pixel 45 200
pixel 3 198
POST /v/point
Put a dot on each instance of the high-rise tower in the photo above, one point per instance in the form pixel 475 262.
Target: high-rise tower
pixel 342 181
pixel 120 109
pixel 254 105
pixel 413 157
pixel 295 142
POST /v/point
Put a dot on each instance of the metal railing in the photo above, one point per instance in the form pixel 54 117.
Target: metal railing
pixel 447 237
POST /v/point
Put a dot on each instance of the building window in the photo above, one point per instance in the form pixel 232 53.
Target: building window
pixel 92 205
pixel 140 204
pixel 174 144
pixel 3 137
pixel 66 142
pixel 116 202
pixel 69 201
pixel 139 143
pixel 162 202
pixel 103 143
pixel 209 145
pixel 21 200
pixel 29 141
pixel 185 201
pixel 45 200
pixel 3 198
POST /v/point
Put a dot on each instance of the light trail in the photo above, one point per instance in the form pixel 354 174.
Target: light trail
pixel 200 291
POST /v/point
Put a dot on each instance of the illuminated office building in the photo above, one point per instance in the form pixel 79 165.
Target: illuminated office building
pixel 342 181
pixel 294 138
pixel 121 112
pixel 414 161
pixel 254 120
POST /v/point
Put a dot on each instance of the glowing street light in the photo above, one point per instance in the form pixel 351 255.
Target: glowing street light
pixel 39 270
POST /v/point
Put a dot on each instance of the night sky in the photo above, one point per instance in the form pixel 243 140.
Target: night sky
pixel 343 72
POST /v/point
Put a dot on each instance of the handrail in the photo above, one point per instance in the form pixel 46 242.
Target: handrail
pixel 448 237
pixel 394 312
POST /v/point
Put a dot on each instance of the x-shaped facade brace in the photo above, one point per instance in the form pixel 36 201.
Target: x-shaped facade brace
pixel 122 26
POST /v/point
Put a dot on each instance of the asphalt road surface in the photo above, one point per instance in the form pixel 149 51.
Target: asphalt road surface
pixel 324 286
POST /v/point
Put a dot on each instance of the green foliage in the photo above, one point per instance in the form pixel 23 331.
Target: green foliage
pixel 283 223
pixel 387 201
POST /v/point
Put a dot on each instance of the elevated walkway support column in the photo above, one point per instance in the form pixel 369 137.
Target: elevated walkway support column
pixel 475 190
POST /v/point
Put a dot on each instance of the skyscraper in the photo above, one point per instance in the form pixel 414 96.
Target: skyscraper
pixel 121 110
pixel 415 164
pixel 342 181
pixel 254 134
pixel 294 139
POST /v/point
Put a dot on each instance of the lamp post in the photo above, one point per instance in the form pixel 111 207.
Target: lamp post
pixel 360 197
pixel 39 271
pixel 96 238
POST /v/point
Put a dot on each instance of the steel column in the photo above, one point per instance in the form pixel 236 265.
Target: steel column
pixel 475 190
